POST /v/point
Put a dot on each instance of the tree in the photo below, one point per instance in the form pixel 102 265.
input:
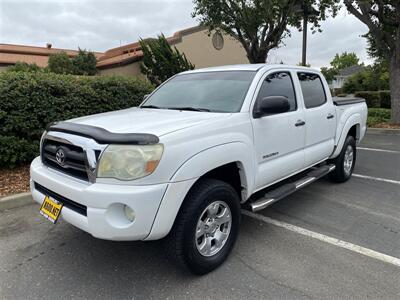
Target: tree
pixel 339 62
pixel 161 61
pixel 24 67
pixel 329 73
pixel 84 63
pixel 259 25
pixel 382 18
pixel 373 78
pixel 344 60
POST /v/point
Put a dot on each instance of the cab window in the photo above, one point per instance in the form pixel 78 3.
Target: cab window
pixel 279 84
pixel 312 89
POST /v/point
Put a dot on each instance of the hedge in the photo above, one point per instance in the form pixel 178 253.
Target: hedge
pixel 30 101
pixel 385 99
pixel 378 116
pixel 375 99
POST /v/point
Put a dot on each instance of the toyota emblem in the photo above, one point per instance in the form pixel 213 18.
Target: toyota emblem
pixel 60 156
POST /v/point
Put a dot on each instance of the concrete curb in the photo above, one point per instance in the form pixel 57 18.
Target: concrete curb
pixel 383 130
pixel 15 201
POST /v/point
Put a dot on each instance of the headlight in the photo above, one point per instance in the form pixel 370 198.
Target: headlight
pixel 128 162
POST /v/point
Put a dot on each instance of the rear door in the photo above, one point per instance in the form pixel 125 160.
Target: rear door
pixel 278 140
pixel 319 118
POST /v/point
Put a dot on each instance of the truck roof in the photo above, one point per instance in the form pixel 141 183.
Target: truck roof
pixel 248 67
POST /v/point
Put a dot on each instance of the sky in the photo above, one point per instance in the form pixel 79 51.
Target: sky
pixel 99 25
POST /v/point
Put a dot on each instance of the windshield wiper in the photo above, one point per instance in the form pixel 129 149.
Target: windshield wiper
pixel 190 108
pixel 177 108
pixel 151 106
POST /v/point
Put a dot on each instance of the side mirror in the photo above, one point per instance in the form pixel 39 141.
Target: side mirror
pixel 271 105
pixel 146 96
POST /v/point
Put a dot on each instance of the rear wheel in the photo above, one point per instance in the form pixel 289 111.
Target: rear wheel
pixel 345 161
pixel 206 227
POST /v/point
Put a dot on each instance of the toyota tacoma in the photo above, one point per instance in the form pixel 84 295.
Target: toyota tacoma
pixel 204 145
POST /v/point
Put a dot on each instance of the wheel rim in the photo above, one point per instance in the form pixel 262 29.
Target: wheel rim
pixel 213 228
pixel 348 160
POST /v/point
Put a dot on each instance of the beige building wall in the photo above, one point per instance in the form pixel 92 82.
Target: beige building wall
pixel 132 69
pixel 199 50
pixel 39 60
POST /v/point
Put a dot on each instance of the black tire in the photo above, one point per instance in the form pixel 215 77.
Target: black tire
pixel 340 174
pixel 181 241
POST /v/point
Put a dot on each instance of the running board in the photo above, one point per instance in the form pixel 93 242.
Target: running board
pixel 289 188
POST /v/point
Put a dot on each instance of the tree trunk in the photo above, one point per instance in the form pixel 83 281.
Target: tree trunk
pixel 394 72
pixel 257 57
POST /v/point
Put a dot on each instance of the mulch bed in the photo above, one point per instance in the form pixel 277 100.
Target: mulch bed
pixel 14 181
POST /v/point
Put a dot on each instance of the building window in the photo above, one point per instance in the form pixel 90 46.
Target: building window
pixel 218 41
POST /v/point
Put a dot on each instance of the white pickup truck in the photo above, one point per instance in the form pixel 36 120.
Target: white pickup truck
pixel 203 145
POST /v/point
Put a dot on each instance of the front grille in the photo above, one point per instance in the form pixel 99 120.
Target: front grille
pixel 74 163
pixel 79 208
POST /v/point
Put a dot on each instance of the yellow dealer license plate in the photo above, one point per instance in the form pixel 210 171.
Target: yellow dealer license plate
pixel 51 209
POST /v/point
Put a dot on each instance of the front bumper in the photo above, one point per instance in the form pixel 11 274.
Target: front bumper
pixel 104 203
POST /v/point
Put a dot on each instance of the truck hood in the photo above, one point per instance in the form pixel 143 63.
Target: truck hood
pixel 144 120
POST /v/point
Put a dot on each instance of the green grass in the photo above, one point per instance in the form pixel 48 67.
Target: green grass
pixel 378 116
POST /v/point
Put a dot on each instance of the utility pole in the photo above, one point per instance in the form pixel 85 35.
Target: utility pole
pixel 304 51
pixel 307 11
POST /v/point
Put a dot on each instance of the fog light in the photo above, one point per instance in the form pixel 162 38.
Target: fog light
pixel 129 213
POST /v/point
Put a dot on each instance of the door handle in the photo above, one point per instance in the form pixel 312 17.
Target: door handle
pixel 330 116
pixel 300 123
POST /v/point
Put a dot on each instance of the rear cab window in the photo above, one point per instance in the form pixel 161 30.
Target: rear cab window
pixel 312 88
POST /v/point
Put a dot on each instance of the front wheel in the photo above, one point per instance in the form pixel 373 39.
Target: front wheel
pixel 206 227
pixel 345 161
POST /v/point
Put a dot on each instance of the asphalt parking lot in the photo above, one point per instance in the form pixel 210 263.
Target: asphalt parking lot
pixel 293 250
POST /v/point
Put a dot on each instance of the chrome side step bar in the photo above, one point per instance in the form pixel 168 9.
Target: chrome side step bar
pixel 289 188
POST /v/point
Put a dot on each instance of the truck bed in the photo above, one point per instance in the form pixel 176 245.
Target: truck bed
pixel 339 101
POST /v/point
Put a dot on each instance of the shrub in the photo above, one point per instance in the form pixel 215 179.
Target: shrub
pixel 30 101
pixel 84 63
pixel 378 116
pixel 375 99
pixel 60 63
pixel 372 98
pixel 373 78
pixel 24 67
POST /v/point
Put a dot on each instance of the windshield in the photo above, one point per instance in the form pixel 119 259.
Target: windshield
pixel 208 91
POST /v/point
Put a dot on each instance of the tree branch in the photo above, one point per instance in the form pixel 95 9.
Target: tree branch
pixel 383 42
pixel 380 14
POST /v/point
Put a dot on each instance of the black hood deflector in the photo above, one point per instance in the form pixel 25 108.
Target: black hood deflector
pixel 103 136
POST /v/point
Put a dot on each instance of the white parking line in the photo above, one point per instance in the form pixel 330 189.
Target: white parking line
pixel 377 178
pixel 378 150
pixel 327 239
